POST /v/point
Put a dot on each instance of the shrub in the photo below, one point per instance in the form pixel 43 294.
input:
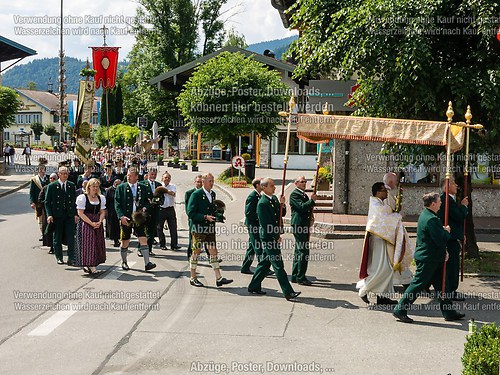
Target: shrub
pixel 194 163
pixel 325 174
pixel 246 156
pixel 175 160
pixel 482 351
pixel 183 163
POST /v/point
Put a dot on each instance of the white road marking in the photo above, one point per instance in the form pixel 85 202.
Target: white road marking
pixel 117 272
pixel 52 323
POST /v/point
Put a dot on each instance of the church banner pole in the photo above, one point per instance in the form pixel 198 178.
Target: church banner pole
pixel 291 105
pixel 449 114
pixel 468 117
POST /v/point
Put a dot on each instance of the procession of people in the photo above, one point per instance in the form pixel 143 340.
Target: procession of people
pixel 118 198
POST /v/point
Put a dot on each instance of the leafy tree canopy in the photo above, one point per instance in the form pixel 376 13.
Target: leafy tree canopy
pixel 9 105
pixel 231 95
pixel 411 57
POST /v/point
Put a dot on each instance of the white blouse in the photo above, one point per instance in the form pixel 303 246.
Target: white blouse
pixel 80 202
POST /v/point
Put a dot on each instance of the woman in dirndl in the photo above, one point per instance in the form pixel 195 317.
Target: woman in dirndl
pixel 90 248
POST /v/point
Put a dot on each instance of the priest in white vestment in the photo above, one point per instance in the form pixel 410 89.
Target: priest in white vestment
pixel 379 261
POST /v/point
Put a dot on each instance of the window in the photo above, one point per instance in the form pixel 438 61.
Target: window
pixel 311 148
pixel 6 136
pixel 293 147
pixel 37 137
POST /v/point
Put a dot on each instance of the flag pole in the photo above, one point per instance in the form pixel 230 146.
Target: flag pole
pixel 291 105
pixel 449 114
pixel 468 117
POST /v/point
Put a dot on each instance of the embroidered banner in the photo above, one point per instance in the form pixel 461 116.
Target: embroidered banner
pixel 105 61
pixel 321 128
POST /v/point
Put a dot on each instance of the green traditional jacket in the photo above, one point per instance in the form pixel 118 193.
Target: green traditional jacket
pixel 301 206
pixel 124 200
pixel 456 217
pixel 59 204
pixel 198 207
pixel 153 209
pixel 36 186
pixel 251 218
pixel 268 211
pixel 187 195
pixel 431 238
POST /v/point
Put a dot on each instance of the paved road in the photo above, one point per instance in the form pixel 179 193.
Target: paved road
pixel 156 323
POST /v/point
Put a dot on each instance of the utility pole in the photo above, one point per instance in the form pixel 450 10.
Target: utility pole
pixel 62 79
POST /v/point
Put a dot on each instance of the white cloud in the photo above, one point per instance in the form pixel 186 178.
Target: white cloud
pixel 257 20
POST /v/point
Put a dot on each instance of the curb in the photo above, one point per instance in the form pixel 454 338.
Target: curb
pixel 24 185
pixel 492 275
pixel 226 192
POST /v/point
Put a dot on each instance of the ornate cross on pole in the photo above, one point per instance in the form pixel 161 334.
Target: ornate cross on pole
pixel 104 28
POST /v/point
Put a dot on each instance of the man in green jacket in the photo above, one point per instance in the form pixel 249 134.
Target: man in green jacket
pixel 150 184
pixel 456 216
pixel 430 255
pixel 302 219
pixel 268 212
pixel 198 182
pixel 60 206
pixel 252 223
pixel 36 185
pixel 202 214
pixel 131 197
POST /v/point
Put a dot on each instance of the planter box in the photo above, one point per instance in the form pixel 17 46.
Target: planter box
pixel 160 162
pixel 184 167
pixel 176 166
pixel 194 169
pixel 170 164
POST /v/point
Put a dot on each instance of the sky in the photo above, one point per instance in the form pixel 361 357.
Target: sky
pixel 34 24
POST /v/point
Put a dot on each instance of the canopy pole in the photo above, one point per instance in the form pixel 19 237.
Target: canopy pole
pixel 468 117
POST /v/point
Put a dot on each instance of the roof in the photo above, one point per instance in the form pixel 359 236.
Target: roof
pixel 10 50
pixel 182 73
pixel 49 101
pixel 282 6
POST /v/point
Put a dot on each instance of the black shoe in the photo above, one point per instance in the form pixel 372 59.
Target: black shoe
pixel 223 281
pixel 270 273
pixel 163 247
pixel 41 238
pixel 116 244
pixel 155 242
pixel 259 292
pixel 402 318
pixel 247 272
pixel 386 301
pixel 292 296
pixel 293 280
pixel 305 282
pixel 149 266
pixel 175 247
pixel 60 261
pixel 125 266
pixel 455 316
pixel 196 282
pixel 51 251
pixel 151 254
pixel 71 263
pixel 365 299
pixel 457 297
pixel 139 254
pixel 219 260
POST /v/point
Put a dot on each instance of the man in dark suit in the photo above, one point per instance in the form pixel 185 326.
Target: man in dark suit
pixel 107 178
pixel 36 185
pixel 150 184
pixel 302 219
pixel 456 216
pixel 430 255
pixel 202 213
pixel 268 210
pixel 252 223
pixel 198 183
pixel 61 213
pixel 131 197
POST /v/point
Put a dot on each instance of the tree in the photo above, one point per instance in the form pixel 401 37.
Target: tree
pixel 411 58
pixel 32 86
pixel 9 105
pixel 115 101
pixel 169 41
pixel 50 130
pixel 232 95
pixel 37 128
pixel 119 135
pixel 234 39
